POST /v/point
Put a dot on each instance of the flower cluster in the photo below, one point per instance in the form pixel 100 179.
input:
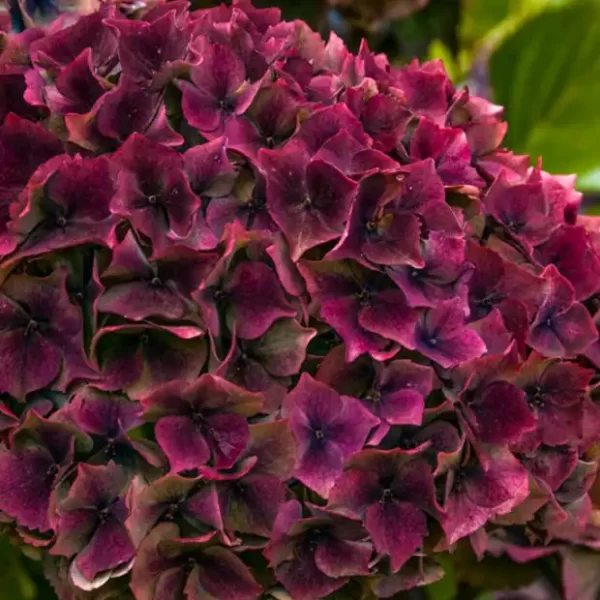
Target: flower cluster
pixel 276 316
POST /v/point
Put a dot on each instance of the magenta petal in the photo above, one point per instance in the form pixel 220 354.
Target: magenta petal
pixel 328 429
pixel 397 529
pixel 227 436
pixel 308 200
pixel 502 414
pixel 23 147
pixel 26 480
pixel 21 353
pixel 499 484
pixel 462 517
pixel 304 580
pixel 560 425
pixel 443 337
pixel 551 465
pixel 257 299
pixel 109 547
pixel 389 316
pixel 325 123
pixel 199 108
pixel 145 48
pixel 182 442
pixel 343 558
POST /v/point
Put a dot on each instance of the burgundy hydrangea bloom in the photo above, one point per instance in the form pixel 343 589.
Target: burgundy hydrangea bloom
pixel 70 206
pixel 187 501
pixel 377 232
pixel 112 418
pixel 308 200
pixel 555 392
pixel 392 494
pixel 450 150
pixel 218 89
pixel 315 556
pixel 137 288
pixel 171 566
pixel 147 47
pixel 496 409
pixel 250 296
pixel 328 429
pixel 59 48
pixel 395 393
pixel 138 358
pixel 442 336
pixel 266 364
pixel 23 146
pixel 365 308
pixel 40 454
pixel 40 334
pixel 474 494
pixel 202 420
pixel 91 524
pixel 273 311
pixel 251 495
pixel 152 190
pixel 562 326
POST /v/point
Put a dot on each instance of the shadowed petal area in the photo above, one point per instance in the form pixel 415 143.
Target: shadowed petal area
pixel 40 332
pixel 26 480
pixel 202 420
pixel 139 358
pixel 182 442
pixel 397 529
pixel 24 146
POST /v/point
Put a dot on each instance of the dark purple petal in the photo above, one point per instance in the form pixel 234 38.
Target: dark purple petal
pixel 551 465
pixel 153 191
pixel 146 47
pixel 26 481
pixel 256 298
pixel 376 230
pixel 251 504
pixel 397 529
pixel 138 358
pixel 450 150
pixel 442 336
pixel 501 413
pixel 343 558
pixel 328 429
pixel 40 330
pixel 325 123
pixel 109 547
pixel 63 46
pixel 183 443
pixel 222 575
pixel 308 200
pixel 23 147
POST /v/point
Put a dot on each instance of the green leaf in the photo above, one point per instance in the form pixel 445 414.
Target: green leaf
pixel 590 182
pixel 16 583
pixel 547 76
pixel 479 18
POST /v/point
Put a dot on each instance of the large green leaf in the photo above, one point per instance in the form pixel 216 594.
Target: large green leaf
pixel 15 582
pixel 547 75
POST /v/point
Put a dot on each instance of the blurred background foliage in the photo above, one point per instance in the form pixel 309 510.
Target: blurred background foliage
pixel 540 59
